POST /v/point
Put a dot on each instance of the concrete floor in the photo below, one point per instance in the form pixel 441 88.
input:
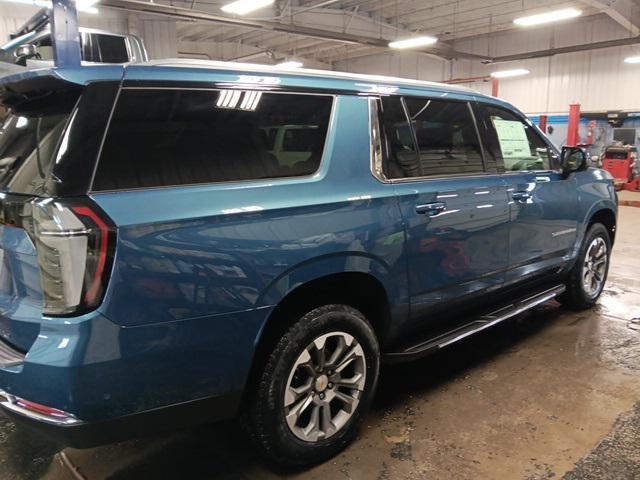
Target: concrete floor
pixel 554 394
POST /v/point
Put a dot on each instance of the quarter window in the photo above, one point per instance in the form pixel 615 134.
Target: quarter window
pixel 183 137
pixel 513 142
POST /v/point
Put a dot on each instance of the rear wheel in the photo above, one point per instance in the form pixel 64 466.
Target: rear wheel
pixel 589 274
pixel 315 388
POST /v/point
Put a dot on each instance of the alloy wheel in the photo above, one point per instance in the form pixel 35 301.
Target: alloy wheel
pixel 594 267
pixel 324 386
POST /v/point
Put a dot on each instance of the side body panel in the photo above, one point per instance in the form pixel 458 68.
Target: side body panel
pixel 219 257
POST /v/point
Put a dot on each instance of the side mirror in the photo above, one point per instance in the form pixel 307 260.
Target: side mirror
pixel 573 159
pixel 24 53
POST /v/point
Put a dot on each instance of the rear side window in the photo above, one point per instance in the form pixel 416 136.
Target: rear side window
pixel 102 48
pixel 184 137
pixel 512 142
pixel 113 48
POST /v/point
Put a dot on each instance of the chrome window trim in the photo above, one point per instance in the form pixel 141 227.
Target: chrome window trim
pixel 252 182
pixel 375 140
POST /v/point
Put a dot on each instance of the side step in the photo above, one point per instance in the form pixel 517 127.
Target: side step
pixel 424 347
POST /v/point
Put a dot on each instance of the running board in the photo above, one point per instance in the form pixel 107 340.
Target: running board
pixel 412 352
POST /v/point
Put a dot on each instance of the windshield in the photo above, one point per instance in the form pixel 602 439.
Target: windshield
pixel 27 146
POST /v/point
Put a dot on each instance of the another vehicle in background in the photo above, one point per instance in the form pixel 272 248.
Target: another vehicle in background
pixel 31 45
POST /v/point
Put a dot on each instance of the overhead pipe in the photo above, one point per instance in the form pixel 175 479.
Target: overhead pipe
pixel 570 49
pixel 495 83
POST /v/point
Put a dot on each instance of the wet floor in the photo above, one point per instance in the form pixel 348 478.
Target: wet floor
pixel 553 394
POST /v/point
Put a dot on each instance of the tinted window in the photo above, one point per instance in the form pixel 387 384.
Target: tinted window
pixel 513 142
pixel 174 137
pixel 300 139
pixel 90 51
pixel 27 145
pixel 113 49
pixel 446 137
pixel 401 160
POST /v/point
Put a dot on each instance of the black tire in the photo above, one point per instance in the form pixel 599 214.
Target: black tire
pixel 264 417
pixel 576 296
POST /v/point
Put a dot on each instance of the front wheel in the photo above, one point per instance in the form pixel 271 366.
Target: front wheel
pixel 315 388
pixel 589 274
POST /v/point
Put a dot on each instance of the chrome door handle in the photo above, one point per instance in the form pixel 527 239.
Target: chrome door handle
pixel 431 209
pixel 521 196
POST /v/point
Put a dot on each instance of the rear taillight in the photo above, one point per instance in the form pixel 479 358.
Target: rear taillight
pixel 75 243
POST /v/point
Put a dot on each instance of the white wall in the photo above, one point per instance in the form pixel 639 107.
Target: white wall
pixel 599 80
pixel 401 64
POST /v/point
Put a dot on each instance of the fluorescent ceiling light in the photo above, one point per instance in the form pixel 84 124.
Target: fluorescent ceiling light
pixel 510 73
pixel 242 7
pixel 289 64
pixel 553 16
pixel 86 6
pixel 413 42
pixel 632 59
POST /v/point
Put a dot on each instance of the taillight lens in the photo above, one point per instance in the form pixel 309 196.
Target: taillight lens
pixel 75 243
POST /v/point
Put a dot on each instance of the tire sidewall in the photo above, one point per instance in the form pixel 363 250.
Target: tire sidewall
pixel 323 320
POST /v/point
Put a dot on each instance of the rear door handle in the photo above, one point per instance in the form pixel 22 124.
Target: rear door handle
pixel 521 196
pixel 431 209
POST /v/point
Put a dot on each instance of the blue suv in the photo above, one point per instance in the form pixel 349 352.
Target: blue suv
pixel 183 242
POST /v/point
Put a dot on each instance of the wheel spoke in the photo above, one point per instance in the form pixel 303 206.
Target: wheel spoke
pixel 328 428
pixel 320 346
pixel 312 430
pixel 339 350
pixel 346 400
pixel 295 412
pixel 357 382
pixel 349 357
pixel 294 393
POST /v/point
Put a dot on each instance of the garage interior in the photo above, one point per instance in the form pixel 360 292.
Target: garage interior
pixel 552 394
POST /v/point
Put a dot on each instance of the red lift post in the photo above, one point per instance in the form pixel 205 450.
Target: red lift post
pixel 573 129
pixel 542 123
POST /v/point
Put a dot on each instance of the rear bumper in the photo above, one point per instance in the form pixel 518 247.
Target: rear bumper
pixel 80 434
pixel 110 382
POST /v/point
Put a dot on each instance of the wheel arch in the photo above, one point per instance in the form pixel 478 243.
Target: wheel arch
pixel 360 290
pixel 607 217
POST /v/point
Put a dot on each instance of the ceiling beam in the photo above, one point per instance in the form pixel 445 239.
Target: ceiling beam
pixel 620 11
pixel 441 49
pixel 570 49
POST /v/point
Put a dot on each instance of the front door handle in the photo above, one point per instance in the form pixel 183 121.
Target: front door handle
pixel 521 196
pixel 431 209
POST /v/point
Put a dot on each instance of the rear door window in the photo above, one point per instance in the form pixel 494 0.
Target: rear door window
pixel 429 137
pixel 183 137
pixel 446 136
